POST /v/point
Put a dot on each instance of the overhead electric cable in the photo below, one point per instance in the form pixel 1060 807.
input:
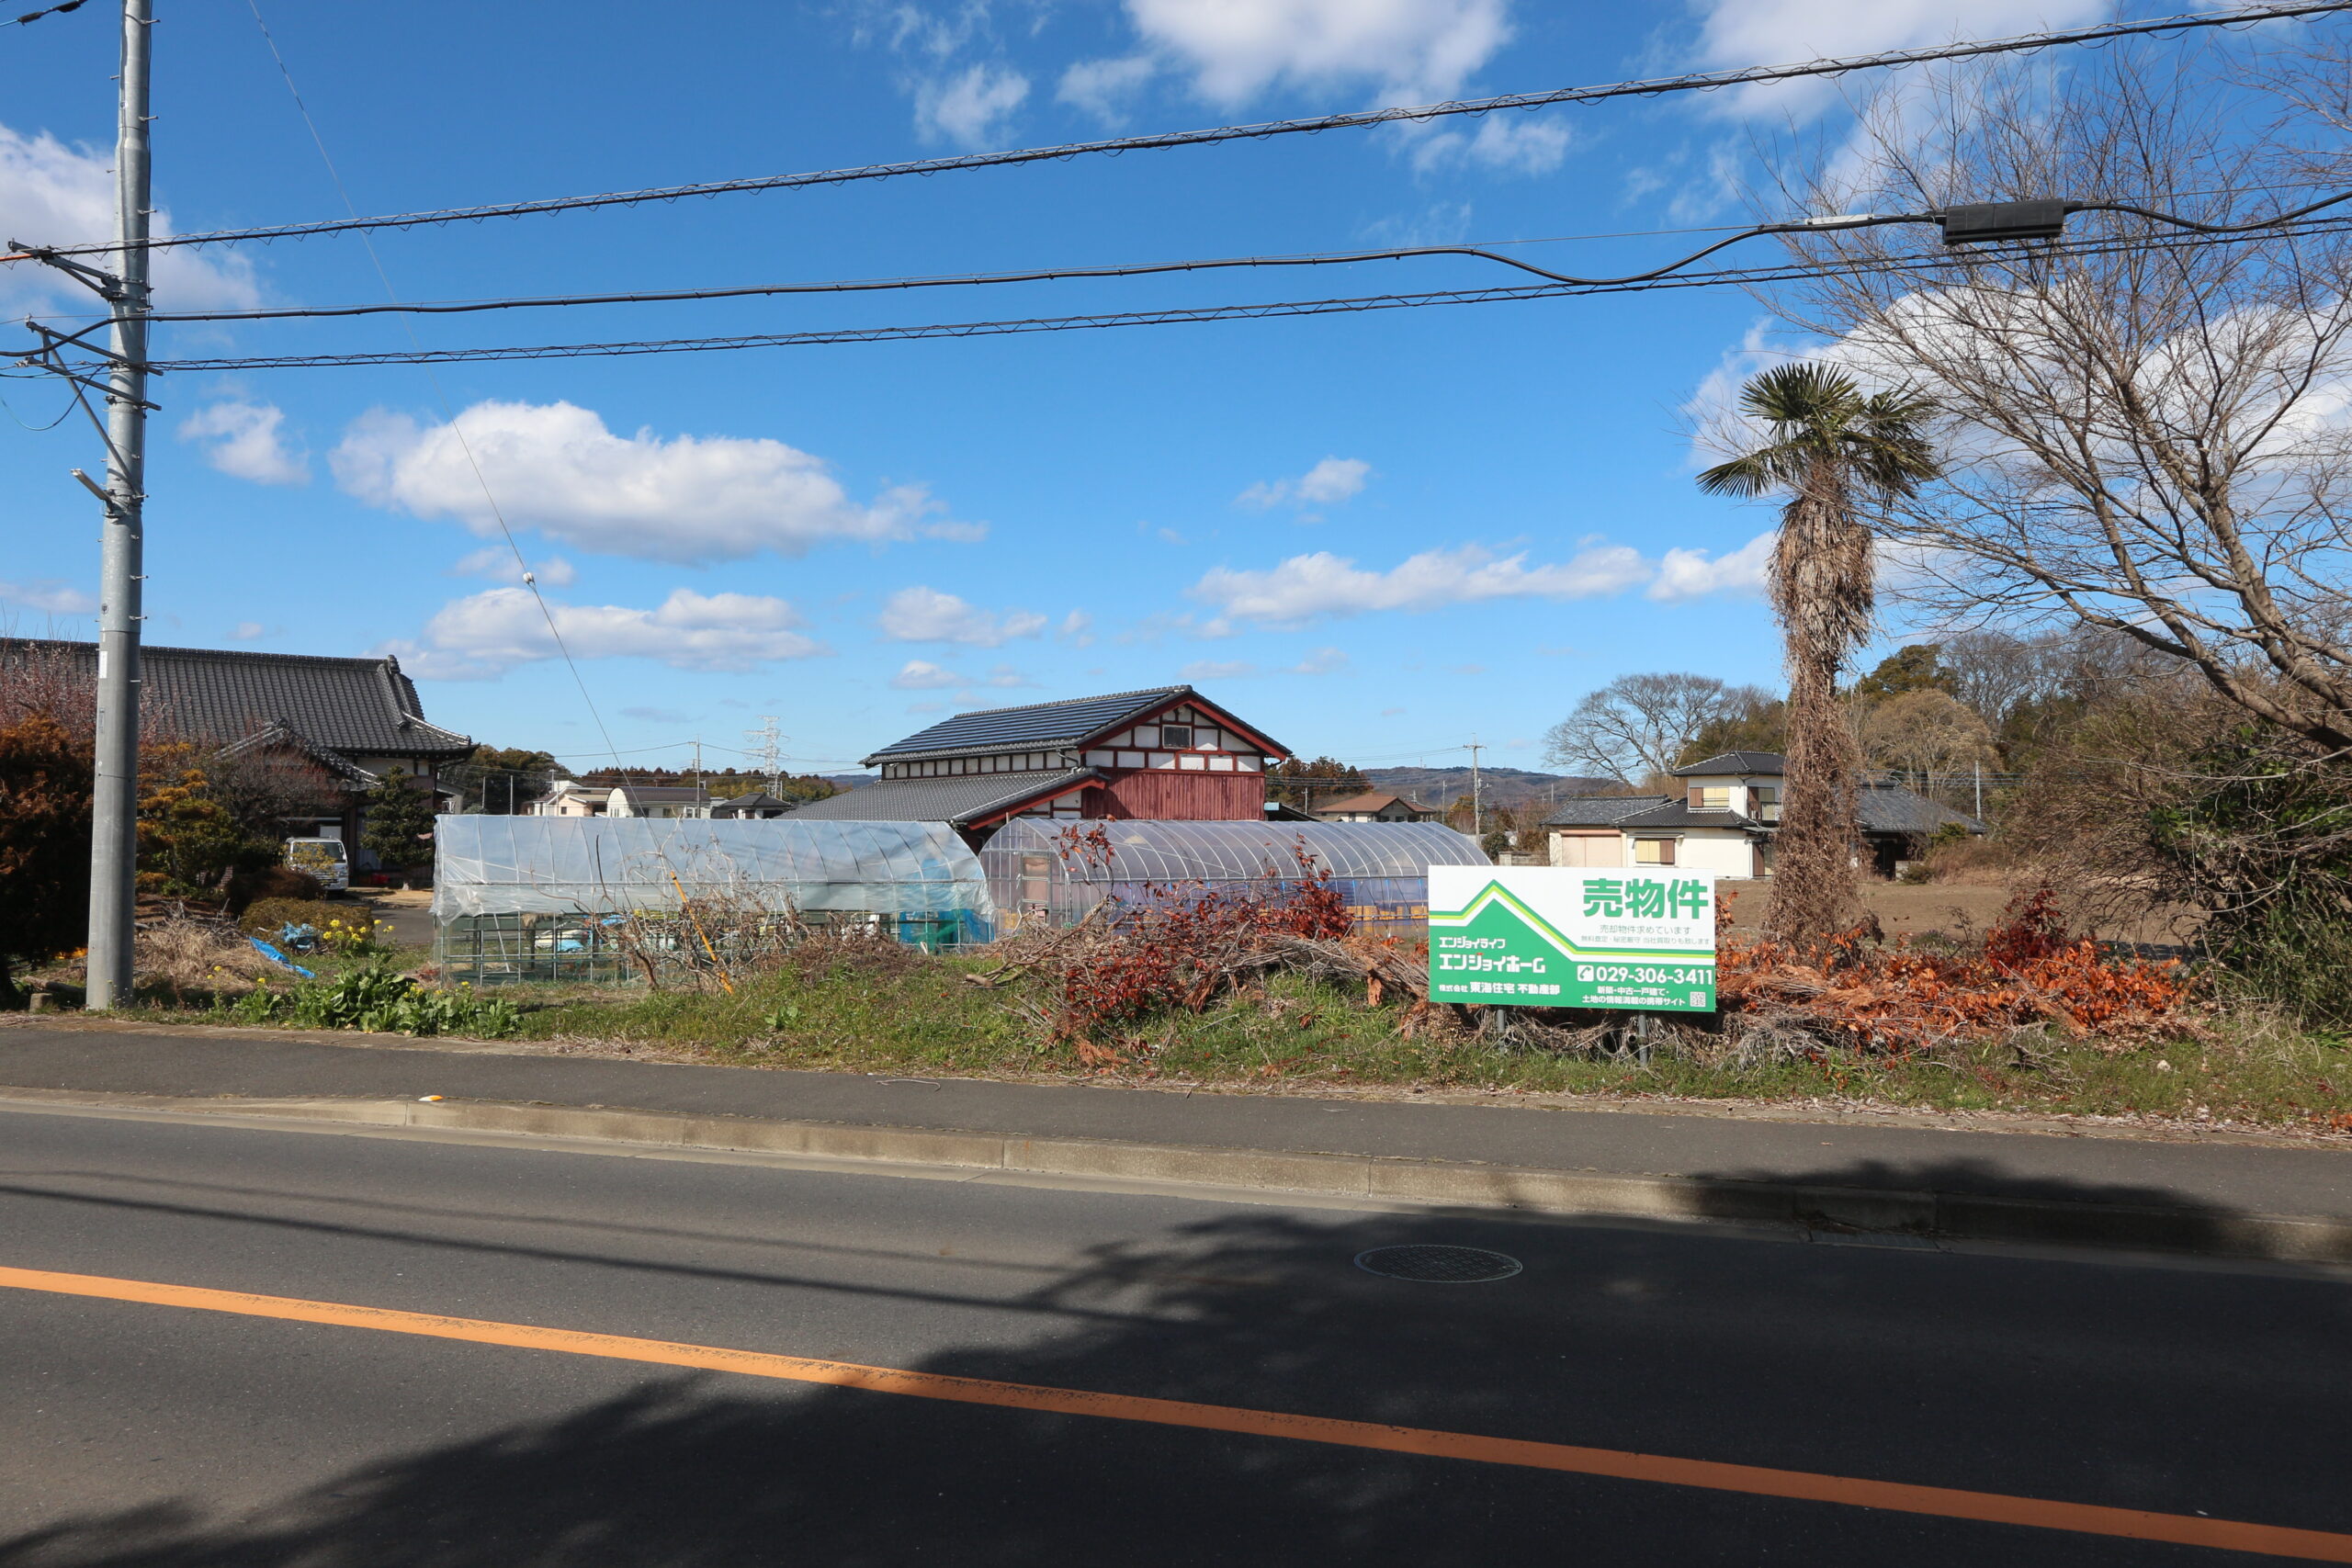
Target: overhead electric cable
pixel 1935 261
pixel 530 580
pixel 1039 274
pixel 1207 264
pixel 1700 82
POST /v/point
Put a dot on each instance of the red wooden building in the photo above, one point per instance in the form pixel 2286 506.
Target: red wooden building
pixel 1167 754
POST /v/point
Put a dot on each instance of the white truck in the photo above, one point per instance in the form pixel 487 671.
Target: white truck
pixel 322 858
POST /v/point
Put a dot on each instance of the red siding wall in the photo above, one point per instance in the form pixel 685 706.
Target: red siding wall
pixel 1165 795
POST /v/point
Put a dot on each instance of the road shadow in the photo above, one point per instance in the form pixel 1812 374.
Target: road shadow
pixel 1974 1198
pixel 1756 1351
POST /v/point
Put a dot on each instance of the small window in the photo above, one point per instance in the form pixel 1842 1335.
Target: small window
pixel 1711 798
pixel 1652 852
pixel 1176 737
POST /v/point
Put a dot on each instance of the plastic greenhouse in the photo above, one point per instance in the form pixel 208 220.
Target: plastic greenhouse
pixel 1041 871
pixel 540 897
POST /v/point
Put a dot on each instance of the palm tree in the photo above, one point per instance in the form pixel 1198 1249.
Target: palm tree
pixel 1840 457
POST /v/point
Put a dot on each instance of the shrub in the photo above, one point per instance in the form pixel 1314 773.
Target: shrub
pixel 380 1000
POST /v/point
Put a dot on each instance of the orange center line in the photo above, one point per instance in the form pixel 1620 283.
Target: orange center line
pixel 1992 1507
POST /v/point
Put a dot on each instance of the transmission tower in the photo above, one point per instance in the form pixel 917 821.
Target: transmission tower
pixel 767 746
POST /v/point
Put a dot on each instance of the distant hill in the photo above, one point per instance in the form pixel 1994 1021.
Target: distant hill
pixel 851 781
pixel 1500 786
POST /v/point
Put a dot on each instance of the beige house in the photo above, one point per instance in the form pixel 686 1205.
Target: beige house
pixel 1723 822
pixel 1377 807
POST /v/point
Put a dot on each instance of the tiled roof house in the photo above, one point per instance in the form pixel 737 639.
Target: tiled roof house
pixel 358 719
pixel 1724 821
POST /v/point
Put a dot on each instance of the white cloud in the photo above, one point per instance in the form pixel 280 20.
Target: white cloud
pixel 1096 86
pixel 47 594
pixel 554 466
pixel 1409 49
pixel 970 108
pixel 921 675
pixel 497 562
pixel 247 631
pixel 1322 661
pixel 248 442
pixel 1077 629
pixel 1689 574
pixel 925 614
pixel 1754 32
pixel 51 194
pixel 1332 481
pixel 1218 670
pixel 488 633
pixel 1509 145
pixel 658 715
pixel 1311 587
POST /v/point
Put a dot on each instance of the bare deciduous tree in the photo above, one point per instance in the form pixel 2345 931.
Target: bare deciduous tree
pixel 2145 430
pixel 1634 728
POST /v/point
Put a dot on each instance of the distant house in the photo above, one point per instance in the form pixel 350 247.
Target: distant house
pixel 357 720
pixel 1166 753
pixel 570 797
pixel 1377 806
pixel 758 806
pixel 1724 821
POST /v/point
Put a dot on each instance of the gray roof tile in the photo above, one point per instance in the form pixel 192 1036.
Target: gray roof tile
pixel 957 800
pixel 1892 808
pixel 1757 763
pixel 1599 810
pixel 1677 814
pixel 352 705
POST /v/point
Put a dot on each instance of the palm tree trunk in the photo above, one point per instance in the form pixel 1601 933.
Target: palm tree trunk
pixel 1822 590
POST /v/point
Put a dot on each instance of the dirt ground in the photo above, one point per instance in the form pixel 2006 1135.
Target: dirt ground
pixel 1909 910
pixel 408 911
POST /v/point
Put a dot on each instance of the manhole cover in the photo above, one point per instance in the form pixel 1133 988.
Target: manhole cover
pixel 1438 1265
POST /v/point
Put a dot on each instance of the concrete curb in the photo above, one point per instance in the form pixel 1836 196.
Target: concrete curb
pixel 2284 1238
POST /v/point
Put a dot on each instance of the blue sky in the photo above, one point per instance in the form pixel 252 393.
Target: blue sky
pixel 1374 534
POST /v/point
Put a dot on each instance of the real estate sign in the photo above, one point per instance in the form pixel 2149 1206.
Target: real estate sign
pixel 1560 937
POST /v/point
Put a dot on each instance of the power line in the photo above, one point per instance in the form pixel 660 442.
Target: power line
pixel 448 410
pixel 1935 261
pixel 1198 264
pixel 1702 82
pixel 1039 274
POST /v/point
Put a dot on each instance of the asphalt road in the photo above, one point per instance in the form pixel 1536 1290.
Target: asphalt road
pixel 164 1437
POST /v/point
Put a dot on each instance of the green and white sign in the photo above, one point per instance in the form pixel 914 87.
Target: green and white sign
pixel 1560 937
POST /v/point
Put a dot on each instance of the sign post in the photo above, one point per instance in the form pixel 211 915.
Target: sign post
pixel 1559 937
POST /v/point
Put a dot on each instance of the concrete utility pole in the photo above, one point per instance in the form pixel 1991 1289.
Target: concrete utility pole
pixel 1477 816
pixel 113 837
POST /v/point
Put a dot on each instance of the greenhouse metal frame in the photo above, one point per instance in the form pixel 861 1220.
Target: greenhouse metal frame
pixel 547 898
pixel 1058 872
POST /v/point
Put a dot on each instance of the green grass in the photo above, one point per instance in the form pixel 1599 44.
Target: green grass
pixel 915 1015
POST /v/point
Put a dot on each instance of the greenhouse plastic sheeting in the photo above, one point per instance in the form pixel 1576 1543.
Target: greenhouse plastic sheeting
pixel 1381 869
pixel 504 865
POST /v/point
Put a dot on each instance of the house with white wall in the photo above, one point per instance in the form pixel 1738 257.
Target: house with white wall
pixel 570 797
pixel 1723 822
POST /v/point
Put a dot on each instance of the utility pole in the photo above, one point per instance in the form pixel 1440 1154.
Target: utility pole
pixel 1478 816
pixel 113 837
